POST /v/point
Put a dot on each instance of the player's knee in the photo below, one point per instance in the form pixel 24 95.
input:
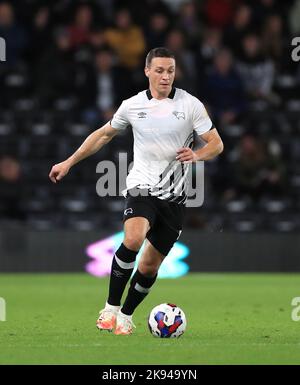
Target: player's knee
pixel 148 268
pixel 133 242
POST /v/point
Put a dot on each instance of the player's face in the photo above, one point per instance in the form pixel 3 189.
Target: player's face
pixel 161 73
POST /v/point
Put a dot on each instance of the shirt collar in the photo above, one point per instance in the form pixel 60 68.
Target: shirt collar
pixel 170 96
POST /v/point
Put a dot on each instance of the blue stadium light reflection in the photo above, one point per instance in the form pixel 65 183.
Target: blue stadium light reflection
pixel 102 252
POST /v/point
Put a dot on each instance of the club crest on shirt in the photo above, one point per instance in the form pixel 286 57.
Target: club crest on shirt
pixel 179 115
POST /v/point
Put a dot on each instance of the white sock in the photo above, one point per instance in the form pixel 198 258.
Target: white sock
pixel 125 315
pixel 112 307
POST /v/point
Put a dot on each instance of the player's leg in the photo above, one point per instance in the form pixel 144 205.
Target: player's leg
pixel 124 259
pixel 144 277
pixel 160 241
pixel 140 286
pixel 123 263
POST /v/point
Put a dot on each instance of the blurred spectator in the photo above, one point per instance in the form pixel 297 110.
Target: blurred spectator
pixel 108 8
pixel 107 86
pixel 264 8
pixel 189 21
pixel 127 40
pixel 186 76
pixel 224 90
pixel 156 31
pixel 219 13
pixel 256 71
pixel 84 54
pixel 141 11
pixel 10 189
pixel 257 171
pixel 175 5
pixel 55 78
pixel 80 30
pixel 209 47
pixel 272 38
pixel 294 18
pixel 236 31
pixel 97 38
pixel 15 36
pixel 40 34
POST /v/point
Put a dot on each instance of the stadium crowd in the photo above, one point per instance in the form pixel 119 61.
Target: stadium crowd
pixel 69 64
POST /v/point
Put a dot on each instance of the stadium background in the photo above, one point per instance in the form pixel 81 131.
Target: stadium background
pixel 68 66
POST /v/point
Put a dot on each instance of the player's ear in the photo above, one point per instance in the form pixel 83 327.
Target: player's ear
pixel 146 71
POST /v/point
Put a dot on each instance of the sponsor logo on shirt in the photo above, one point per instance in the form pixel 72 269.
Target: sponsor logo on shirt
pixel 142 115
pixel 179 115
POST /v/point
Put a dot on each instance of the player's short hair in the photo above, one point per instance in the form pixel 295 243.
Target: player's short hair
pixel 158 52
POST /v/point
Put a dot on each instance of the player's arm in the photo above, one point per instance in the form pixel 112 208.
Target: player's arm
pixel 213 147
pixel 93 143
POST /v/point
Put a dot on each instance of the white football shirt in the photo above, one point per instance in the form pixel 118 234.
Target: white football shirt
pixel 160 128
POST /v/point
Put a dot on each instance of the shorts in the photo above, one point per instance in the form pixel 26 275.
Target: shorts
pixel 165 218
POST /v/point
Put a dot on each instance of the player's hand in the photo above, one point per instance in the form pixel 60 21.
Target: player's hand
pixel 186 155
pixel 58 171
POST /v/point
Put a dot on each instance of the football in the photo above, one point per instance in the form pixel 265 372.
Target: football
pixel 167 321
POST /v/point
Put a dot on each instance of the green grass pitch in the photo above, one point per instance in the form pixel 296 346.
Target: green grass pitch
pixel 232 319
